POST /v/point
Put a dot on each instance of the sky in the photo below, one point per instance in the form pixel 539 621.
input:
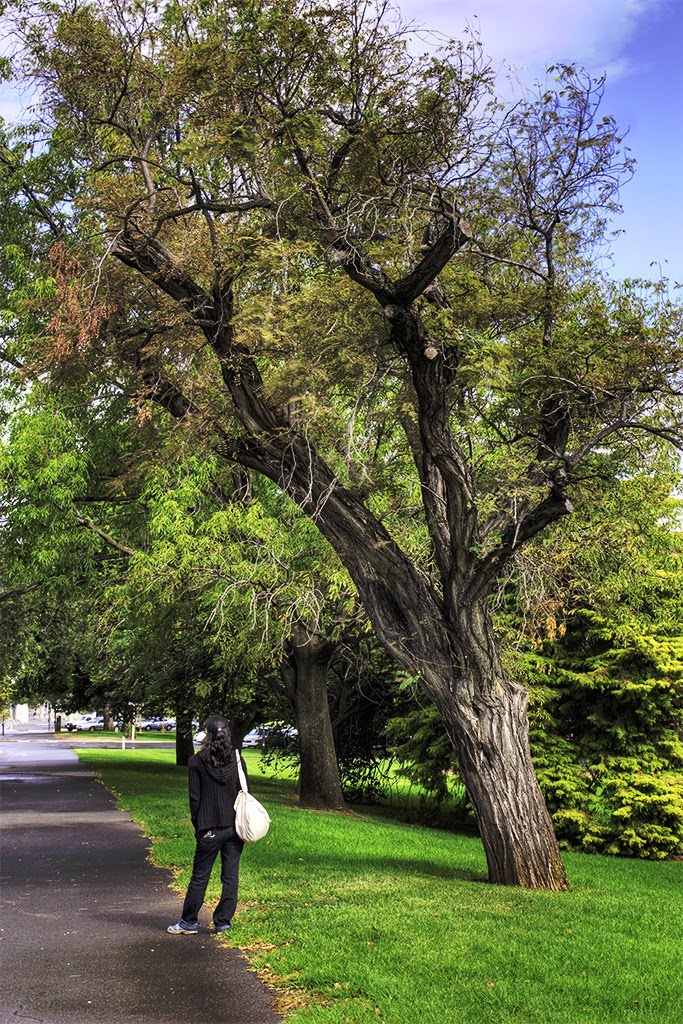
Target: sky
pixel 639 45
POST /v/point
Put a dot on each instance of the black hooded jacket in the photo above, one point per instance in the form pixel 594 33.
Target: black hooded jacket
pixel 213 792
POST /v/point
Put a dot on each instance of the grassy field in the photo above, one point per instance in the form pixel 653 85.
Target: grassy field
pixel 102 734
pixel 362 919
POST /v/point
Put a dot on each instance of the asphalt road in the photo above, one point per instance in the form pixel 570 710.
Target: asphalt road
pixel 84 914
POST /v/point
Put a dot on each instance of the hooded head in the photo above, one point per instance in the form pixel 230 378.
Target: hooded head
pixel 215 725
pixel 217 745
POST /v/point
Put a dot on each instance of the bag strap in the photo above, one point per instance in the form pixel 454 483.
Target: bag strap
pixel 240 771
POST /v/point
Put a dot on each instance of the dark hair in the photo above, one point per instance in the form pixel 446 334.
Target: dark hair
pixel 217 743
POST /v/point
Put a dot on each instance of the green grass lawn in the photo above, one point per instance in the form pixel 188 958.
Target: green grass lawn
pixel 374 920
pixel 103 734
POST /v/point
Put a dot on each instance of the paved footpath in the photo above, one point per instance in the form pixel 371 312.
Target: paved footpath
pixel 84 913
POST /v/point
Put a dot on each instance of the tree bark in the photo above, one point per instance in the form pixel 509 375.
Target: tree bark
pixel 484 713
pixel 486 718
pixel 184 742
pixel 491 740
pixel 305 676
pixel 239 727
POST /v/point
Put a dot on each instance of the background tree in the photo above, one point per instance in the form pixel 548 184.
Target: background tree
pixel 269 600
pixel 602 655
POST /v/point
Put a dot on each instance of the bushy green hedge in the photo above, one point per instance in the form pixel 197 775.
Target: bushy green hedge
pixel 605 711
pixel 615 807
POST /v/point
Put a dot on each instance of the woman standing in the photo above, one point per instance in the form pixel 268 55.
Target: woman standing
pixel 214 785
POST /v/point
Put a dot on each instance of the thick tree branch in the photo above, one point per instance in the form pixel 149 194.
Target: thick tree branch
pixel 7 358
pixel 89 525
pixel 343 251
pixel 444 464
pixel 150 258
pixel 530 523
pixel 395 594
pixel 433 497
pixel 159 388
pixel 9 595
pixel 212 313
pixel 453 237
pixel 398 597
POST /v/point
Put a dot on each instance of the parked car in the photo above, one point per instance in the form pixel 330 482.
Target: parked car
pixel 255 738
pixel 157 724
pixel 77 722
pixel 272 735
pixel 86 723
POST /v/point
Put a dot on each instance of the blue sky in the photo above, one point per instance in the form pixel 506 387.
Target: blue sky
pixel 639 44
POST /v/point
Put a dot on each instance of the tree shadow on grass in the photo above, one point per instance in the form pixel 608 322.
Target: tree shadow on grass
pixel 278 789
pixel 334 864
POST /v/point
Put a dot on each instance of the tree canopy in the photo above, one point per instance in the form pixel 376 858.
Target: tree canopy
pixel 347 267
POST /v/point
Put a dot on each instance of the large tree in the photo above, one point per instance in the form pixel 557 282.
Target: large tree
pixel 320 234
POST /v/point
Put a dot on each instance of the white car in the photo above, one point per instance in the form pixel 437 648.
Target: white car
pixel 155 724
pixel 255 738
pixel 88 723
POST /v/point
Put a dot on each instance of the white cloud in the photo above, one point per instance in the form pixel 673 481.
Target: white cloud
pixel 11 103
pixel 17 102
pixel 535 33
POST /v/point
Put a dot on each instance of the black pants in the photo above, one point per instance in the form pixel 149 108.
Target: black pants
pixel 211 842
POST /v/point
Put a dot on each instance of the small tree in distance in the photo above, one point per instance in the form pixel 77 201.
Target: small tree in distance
pixel 296 211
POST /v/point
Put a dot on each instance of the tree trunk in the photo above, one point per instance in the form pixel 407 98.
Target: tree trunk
pixel 486 718
pixel 305 678
pixel 239 727
pixel 491 741
pixel 184 743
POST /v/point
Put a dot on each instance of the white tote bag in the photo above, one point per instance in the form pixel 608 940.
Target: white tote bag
pixel 251 817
